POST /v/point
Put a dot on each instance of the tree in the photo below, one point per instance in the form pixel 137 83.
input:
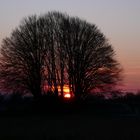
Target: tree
pixel 89 58
pixel 22 57
pixel 55 50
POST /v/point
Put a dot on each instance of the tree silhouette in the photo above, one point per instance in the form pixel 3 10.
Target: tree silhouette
pixel 22 57
pixel 54 50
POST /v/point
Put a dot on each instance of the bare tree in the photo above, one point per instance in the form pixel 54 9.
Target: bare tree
pixel 89 57
pixel 56 50
pixel 22 57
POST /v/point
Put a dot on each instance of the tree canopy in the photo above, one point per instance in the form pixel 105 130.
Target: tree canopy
pixel 45 53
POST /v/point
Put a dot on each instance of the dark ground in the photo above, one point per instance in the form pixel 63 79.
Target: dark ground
pixel 104 120
pixel 69 127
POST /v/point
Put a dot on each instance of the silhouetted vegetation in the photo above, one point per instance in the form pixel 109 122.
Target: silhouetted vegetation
pixel 23 117
pixel 47 52
pixel 93 104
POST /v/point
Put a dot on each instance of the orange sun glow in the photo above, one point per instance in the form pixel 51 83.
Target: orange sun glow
pixel 67 95
pixel 66 91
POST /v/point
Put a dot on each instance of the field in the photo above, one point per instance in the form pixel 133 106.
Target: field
pixel 69 127
pixel 50 119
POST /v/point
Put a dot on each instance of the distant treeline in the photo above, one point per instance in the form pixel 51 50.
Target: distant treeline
pixel 16 103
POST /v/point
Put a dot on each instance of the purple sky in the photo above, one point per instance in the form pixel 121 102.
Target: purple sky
pixel 119 20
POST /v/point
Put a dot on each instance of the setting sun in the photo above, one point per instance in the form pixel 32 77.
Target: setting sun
pixel 66 91
pixel 67 95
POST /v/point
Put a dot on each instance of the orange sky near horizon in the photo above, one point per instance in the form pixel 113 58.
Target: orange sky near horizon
pixel 119 20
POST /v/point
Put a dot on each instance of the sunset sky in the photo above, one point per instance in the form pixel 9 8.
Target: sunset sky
pixel 119 20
